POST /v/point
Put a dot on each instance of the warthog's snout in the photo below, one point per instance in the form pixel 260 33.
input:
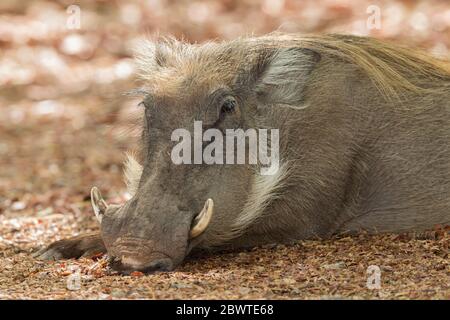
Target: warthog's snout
pixel 148 241
pixel 130 254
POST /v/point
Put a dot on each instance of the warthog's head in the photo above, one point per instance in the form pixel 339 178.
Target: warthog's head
pixel 176 207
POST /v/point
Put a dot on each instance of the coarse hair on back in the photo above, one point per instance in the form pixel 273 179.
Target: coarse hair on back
pixel 393 68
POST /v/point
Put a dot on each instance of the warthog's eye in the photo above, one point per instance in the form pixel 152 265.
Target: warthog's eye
pixel 228 105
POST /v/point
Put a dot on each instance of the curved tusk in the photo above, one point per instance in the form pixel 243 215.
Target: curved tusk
pixel 98 204
pixel 202 220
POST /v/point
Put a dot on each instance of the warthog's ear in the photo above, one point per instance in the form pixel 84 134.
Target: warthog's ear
pixel 151 56
pixel 282 75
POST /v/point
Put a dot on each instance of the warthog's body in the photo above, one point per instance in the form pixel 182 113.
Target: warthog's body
pixel 364 145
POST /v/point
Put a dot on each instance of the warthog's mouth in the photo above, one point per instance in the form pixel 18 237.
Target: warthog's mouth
pixel 128 263
pixel 134 254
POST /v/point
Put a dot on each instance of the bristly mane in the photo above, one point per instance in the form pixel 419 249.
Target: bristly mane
pixel 394 69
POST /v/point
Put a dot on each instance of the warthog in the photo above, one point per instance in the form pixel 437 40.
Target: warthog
pixel 364 131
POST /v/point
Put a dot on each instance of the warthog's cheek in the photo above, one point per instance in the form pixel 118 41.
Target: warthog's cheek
pixel 180 234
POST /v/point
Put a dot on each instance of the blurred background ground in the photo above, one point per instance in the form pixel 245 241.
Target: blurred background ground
pixel 64 125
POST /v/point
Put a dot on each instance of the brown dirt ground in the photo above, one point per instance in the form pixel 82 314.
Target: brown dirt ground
pixel 64 127
pixel 333 269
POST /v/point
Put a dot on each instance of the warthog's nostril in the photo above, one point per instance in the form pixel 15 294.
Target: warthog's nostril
pixel 160 265
pixel 127 265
